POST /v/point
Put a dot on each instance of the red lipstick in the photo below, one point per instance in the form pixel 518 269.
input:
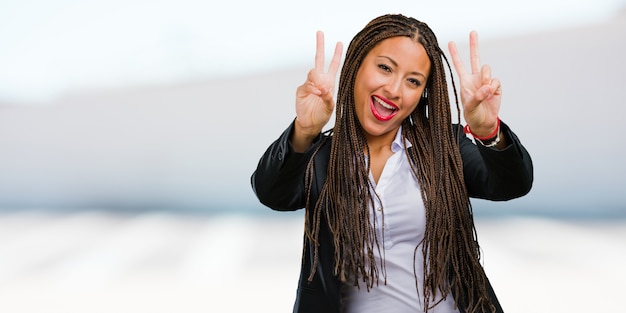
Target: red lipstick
pixel 383 109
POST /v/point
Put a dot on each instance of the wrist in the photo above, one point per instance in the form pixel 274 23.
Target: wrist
pixel 302 137
pixel 307 128
pixel 490 140
pixel 304 131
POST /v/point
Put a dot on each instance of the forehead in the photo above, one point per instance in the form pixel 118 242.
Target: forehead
pixel 400 45
pixel 404 51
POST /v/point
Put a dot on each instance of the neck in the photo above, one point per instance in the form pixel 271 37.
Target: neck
pixel 378 143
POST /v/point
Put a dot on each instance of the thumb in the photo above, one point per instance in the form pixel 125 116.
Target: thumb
pixel 483 93
pixel 328 97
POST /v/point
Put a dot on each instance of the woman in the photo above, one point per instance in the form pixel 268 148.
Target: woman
pixel 389 226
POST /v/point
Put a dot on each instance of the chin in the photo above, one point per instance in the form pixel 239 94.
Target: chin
pixel 377 130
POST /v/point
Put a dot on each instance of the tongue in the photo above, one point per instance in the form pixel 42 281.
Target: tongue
pixel 382 110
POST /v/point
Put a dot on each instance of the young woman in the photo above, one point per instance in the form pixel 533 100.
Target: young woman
pixel 389 225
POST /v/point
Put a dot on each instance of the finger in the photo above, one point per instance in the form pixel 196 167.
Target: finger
pixel 334 63
pixel 485 75
pixel 496 86
pixel 474 54
pixel 319 51
pixel 488 80
pixel 328 100
pixel 483 93
pixel 307 89
pixel 456 59
pixel 310 88
pixel 471 103
pixel 312 83
pixel 302 91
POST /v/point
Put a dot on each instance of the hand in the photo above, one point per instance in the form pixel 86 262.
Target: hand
pixel 314 98
pixel 481 94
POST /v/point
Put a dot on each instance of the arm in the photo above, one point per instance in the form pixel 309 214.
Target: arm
pixel 481 94
pixel 314 98
pixel 505 171
pixel 496 174
pixel 278 181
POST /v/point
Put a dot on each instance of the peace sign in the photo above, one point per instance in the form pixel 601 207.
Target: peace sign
pixel 314 98
pixel 481 94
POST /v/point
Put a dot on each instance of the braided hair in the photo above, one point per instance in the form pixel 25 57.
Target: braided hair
pixel 450 247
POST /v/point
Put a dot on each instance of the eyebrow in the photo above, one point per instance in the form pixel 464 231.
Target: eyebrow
pixel 396 65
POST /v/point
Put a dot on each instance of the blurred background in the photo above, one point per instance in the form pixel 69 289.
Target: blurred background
pixel 129 131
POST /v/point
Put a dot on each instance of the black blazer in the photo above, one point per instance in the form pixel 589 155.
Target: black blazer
pixel 278 182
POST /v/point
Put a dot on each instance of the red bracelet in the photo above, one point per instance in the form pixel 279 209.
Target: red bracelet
pixel 467 130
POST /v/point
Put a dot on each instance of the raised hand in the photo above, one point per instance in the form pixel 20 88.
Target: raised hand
pixel 314 98
pixel 481 94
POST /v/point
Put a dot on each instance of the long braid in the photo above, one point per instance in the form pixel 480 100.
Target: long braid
pixel 450 245
pixel 450 249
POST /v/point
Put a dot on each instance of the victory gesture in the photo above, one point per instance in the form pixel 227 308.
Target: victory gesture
pixel 314 98
pixel 480 93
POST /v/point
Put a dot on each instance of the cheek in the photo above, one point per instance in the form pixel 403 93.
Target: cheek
pixel 407 111
pixel 368 80
pixel 412 97
pixel 413 101
pixel 414 106
pixel 362 90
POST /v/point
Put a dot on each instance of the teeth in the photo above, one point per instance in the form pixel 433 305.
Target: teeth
pixel 384 104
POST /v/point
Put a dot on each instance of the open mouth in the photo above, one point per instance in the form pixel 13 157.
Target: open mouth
pixel 383 110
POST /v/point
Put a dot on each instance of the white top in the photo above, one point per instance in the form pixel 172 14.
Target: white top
pixel 404 218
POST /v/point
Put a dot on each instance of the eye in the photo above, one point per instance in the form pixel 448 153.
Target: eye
pixel 414 82
pixel 384 67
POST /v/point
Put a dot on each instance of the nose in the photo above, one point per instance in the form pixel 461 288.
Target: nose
pixel 393 87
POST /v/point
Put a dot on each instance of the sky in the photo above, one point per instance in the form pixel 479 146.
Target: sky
pixel 48 48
